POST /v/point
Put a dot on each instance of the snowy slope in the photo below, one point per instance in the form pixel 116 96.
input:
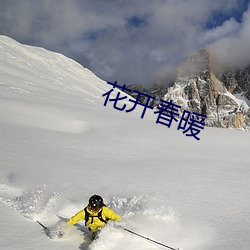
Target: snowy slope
pixel 59 145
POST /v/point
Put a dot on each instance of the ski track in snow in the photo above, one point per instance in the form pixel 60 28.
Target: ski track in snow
pixel 145 214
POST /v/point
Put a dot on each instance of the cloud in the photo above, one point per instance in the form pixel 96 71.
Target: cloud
pixel 228 28
pixel 126 41
pixel 232 50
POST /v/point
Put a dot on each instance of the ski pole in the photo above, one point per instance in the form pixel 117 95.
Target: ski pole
pixel 146 238
pixel 45 228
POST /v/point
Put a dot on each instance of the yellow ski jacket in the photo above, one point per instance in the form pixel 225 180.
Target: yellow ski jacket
pixel 94 223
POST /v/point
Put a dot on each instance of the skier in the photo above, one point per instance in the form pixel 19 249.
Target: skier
pixel 95 214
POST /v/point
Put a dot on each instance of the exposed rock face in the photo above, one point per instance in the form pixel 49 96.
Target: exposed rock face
pixel 198 89
pixel 237 81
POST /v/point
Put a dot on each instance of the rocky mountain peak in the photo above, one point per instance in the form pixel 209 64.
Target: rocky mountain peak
pixel 197 88
pixel 194 65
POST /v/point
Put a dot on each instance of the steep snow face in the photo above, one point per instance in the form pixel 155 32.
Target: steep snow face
pixel 59 145
pixel 34 74
pixel 37 76
pixel 38 69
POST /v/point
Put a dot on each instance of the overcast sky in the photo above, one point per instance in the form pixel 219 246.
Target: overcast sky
pixel 131 41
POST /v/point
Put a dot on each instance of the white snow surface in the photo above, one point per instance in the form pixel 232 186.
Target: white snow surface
pixel 60 145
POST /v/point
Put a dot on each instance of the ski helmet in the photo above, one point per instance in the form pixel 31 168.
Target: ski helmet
pixel 95 202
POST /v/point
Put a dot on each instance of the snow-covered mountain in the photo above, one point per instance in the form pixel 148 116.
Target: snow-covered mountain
pixel 197 88
pixel 59 145
pixel 200 88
